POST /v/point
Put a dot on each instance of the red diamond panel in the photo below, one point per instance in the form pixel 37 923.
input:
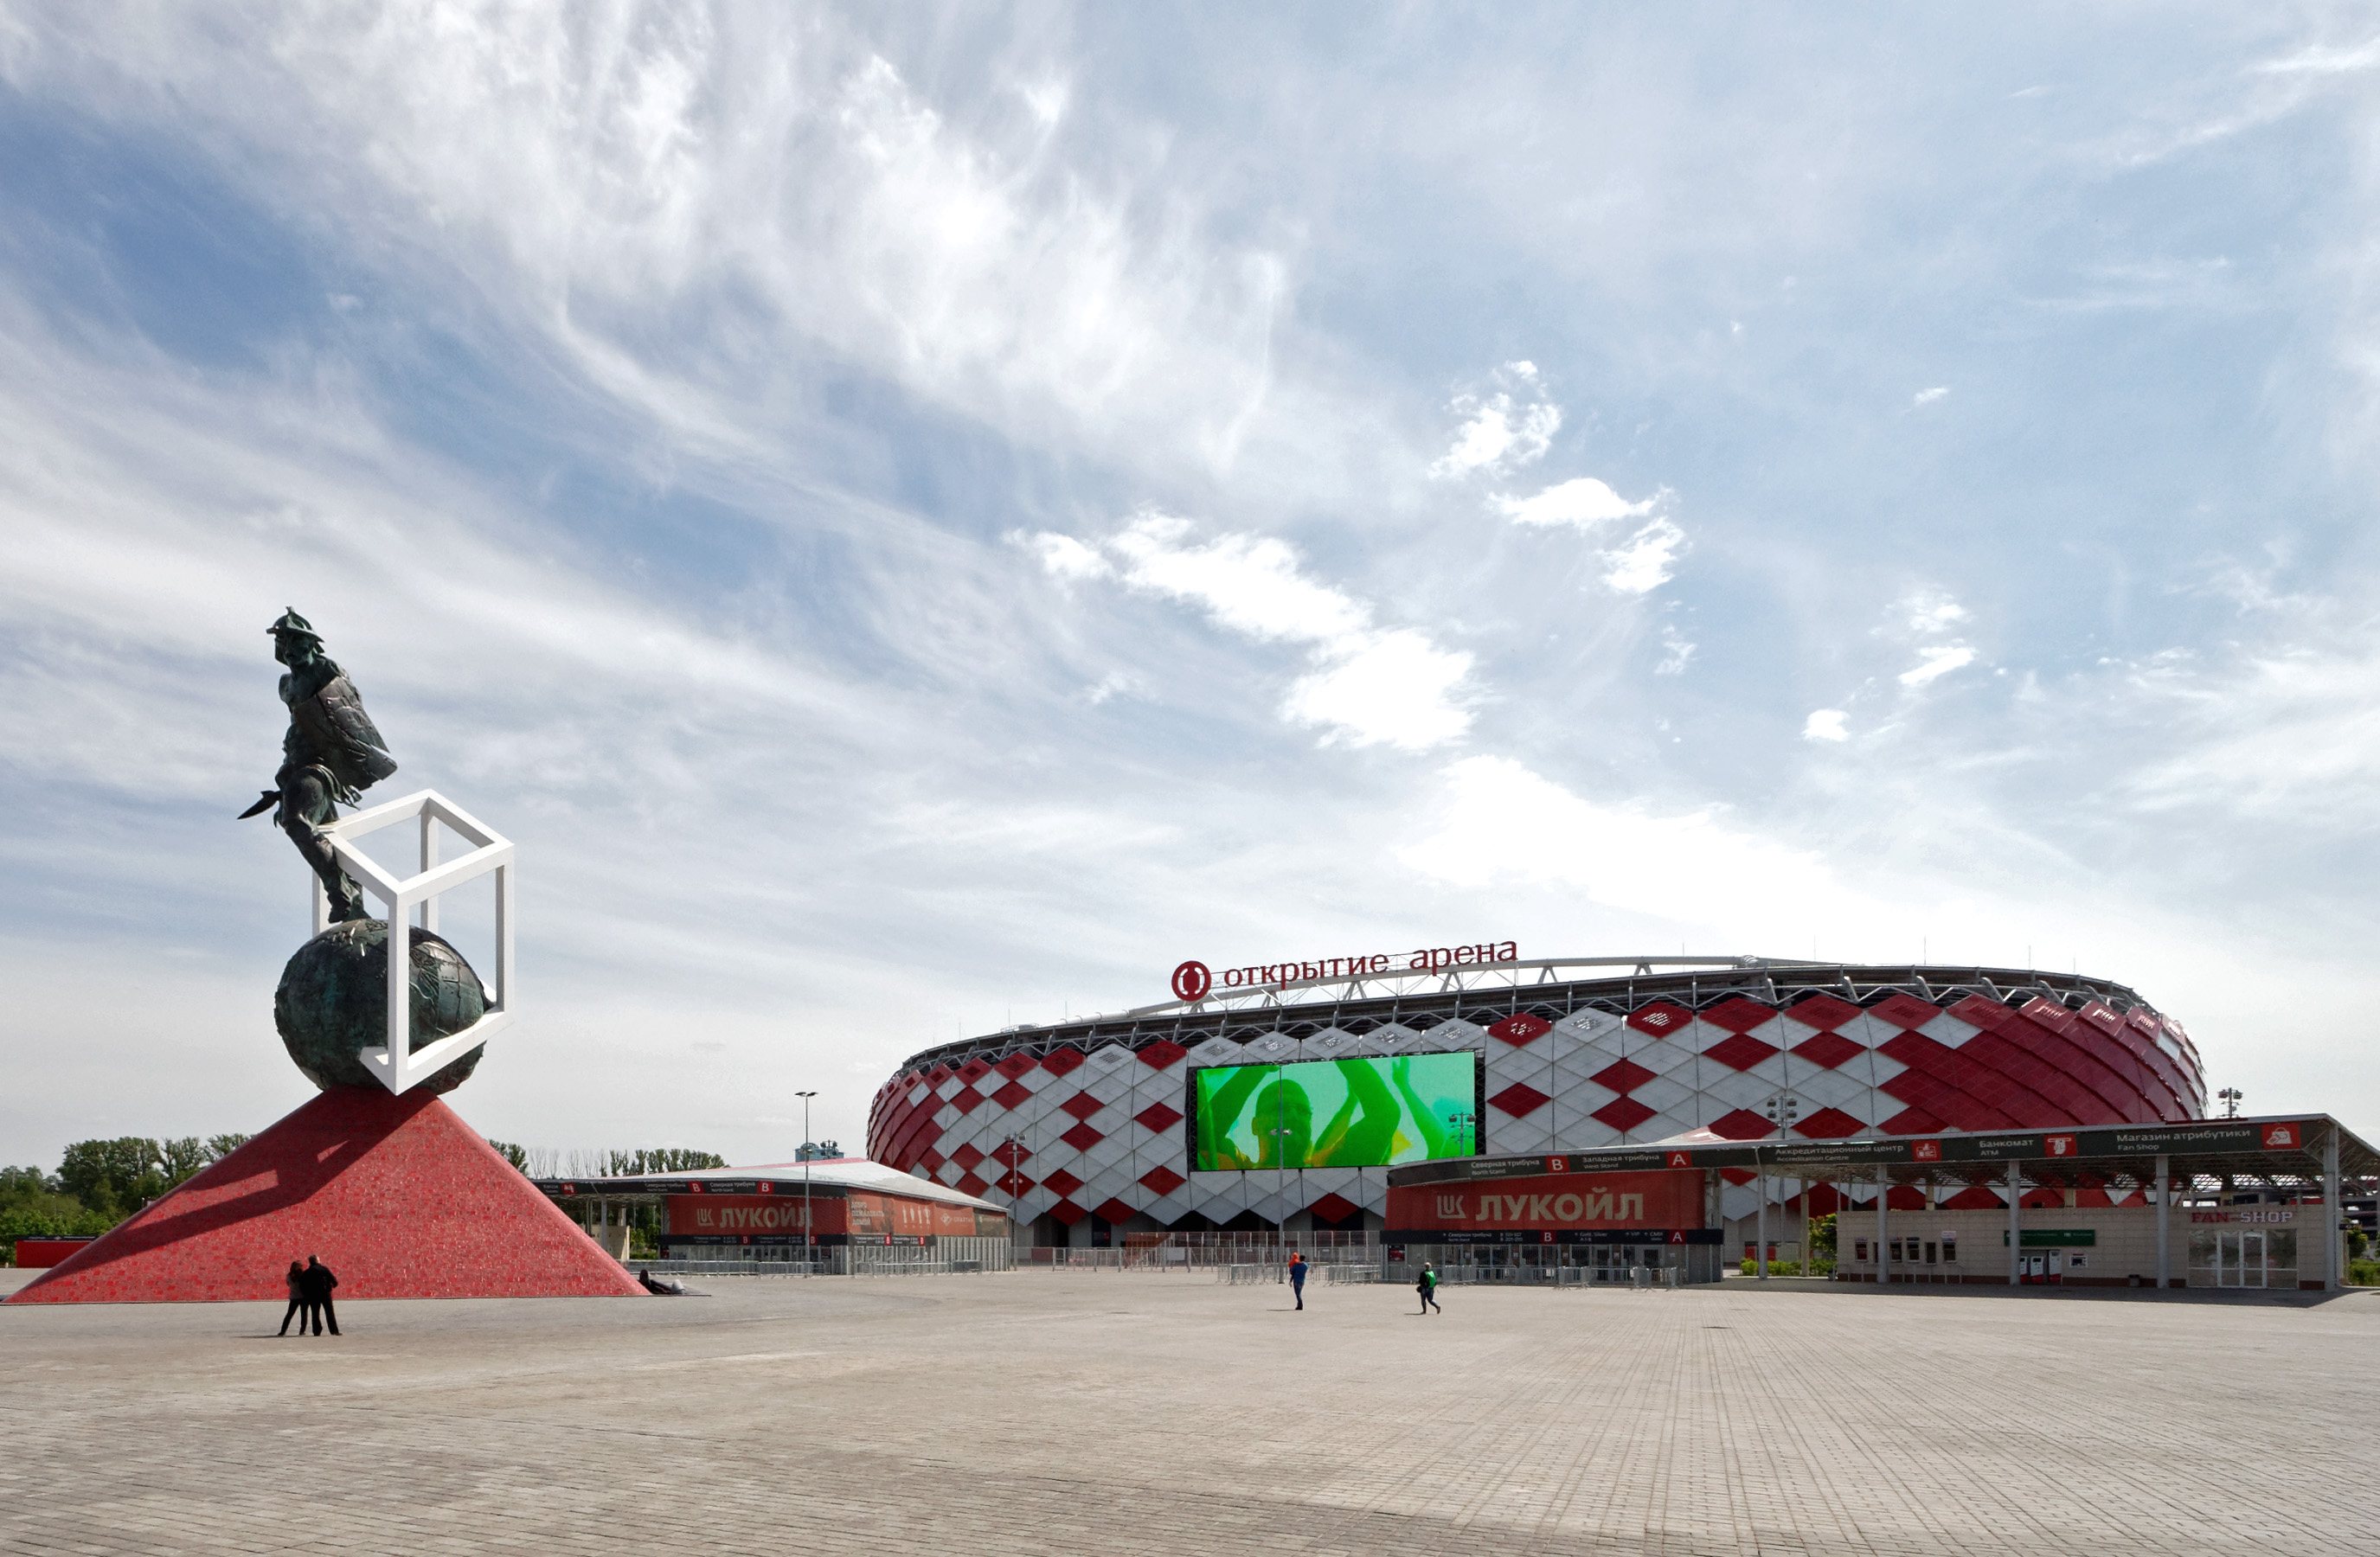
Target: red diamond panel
pixel 1522 1028
pixel 1013 1185
pixel 1739 1014
pixel 1827 1124
pixel 2048 1013
pixel 1738 1175
pixel 1738 1052
pixel 1082 1137
pixel 1014 1066
pixel 1008 1153
pixel 1112 1211
pixel 970 1184
pixel 1010 1095
pixel 1520 1100
pixel 1162 1180
pixel 966 1099
pixel 1068 1212
pixel 1060 1062
pixel 1904 1010
pixel 1159 1118
pixel 1624 1077
pixel 1826 1051
pixel 937 1075
pixel 1662 1018
pixel 1821 1011
pixel 974 1071
pixel 931 1159
pixel 1911 1122
pixel 1161 1055
pixel 1977 1012
pixel 1063 1182
pixel 1975 1197
pixel 1082 1106
pixel 966 1157
pixel 1334 1208
pixel 1741 1124
pixel 1623 1114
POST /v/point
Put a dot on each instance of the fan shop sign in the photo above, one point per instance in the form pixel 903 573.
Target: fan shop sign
pixel 1195 981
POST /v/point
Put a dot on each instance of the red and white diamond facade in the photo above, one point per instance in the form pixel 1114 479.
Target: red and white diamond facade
pixel 1085 1121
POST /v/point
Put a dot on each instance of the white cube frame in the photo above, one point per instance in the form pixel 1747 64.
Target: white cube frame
pixel 396 1066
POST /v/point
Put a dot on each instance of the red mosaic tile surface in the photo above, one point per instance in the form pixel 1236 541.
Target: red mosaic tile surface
pixel 396 1195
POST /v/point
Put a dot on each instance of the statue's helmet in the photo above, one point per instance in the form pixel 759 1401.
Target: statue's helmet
pixel 294 625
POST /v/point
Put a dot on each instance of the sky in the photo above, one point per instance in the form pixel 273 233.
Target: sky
pixel 915 520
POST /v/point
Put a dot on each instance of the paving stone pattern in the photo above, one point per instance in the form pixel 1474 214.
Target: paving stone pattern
pixel 1081 1412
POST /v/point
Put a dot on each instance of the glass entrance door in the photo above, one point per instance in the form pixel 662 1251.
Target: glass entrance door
pixel 2239 1260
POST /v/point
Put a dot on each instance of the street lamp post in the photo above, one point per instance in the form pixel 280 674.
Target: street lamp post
pixel 809 1236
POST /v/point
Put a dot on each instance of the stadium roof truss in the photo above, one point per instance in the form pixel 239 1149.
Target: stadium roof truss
pixel 1552 988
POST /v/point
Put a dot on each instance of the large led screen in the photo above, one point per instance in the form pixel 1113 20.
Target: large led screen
pixel 1364 1113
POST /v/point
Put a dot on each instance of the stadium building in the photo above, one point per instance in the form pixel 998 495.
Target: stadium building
pixel 1280 1103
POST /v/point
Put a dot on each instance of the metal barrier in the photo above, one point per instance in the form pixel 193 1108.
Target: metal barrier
pixel 945 1256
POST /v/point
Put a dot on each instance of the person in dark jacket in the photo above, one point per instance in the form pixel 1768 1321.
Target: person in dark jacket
pixel 297 1309
pixel 1297 1277
pixel 318 1281
pixel 1427 1288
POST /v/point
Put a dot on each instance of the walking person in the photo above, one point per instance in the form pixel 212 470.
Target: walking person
pixel 318 1281
pixel 297 1309
pixel 1297 1269
pixel 1427 1288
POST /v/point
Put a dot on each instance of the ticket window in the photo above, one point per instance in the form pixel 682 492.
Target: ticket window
pixel 1859 1250
pixel 1950 1248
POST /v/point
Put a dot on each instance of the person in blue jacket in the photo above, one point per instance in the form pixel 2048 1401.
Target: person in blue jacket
pixel 1297 1269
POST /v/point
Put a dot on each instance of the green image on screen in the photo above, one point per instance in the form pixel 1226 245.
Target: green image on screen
pixel 1335 1114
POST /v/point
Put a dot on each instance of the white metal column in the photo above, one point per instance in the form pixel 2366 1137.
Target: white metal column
pixel 2331 1210
pixel 2165 1220
pixel 1760 1232
pixel 2016 1225
pixel 1883 1204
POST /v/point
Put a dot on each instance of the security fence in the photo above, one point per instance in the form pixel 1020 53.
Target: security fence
pixel 944 1257
pixel 1633 1266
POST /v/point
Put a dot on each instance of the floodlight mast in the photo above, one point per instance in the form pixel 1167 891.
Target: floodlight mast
pixel 810 1234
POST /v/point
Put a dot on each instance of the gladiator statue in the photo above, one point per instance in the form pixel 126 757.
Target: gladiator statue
pixel 330 755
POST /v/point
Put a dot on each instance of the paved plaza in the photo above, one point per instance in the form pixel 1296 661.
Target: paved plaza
pixel 1078 1412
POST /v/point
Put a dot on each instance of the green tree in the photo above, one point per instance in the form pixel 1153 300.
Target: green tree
pixel 661 1160
pixel 518 1156
pixel 115 1177
pixel 221 1146
pixel 33 1206
pixel 181 1159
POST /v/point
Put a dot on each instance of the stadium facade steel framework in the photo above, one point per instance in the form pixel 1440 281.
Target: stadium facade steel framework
pixel 1079 1126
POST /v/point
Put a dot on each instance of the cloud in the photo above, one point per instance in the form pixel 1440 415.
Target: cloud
pixel 1936 662
pixel 1676 652
pixel 1062 556
pixel 1928 397
pixel 1497 820
pixel 1499 434
pixel 1369 686
pixel 1582 502
pixel 1646 559
pixel 1927 611
pixel 1826 724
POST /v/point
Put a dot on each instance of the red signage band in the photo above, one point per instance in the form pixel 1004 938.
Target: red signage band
pixel 1194 979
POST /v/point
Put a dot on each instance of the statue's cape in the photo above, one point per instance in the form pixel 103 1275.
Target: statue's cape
pixel 330 730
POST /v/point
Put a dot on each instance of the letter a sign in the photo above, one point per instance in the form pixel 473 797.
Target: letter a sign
pixel 1681 1160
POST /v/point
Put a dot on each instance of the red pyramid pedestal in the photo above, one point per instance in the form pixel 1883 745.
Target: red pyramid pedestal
pixel 395 1193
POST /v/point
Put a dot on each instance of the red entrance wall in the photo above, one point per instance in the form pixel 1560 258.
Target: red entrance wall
pixel 1552 1203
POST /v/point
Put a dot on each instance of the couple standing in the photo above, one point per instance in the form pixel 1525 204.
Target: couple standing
pixel 310 1297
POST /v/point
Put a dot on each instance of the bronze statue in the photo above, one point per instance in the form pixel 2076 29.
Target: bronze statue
pixel 330 755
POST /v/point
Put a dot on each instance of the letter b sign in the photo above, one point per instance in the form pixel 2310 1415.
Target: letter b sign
pixel 1191 981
